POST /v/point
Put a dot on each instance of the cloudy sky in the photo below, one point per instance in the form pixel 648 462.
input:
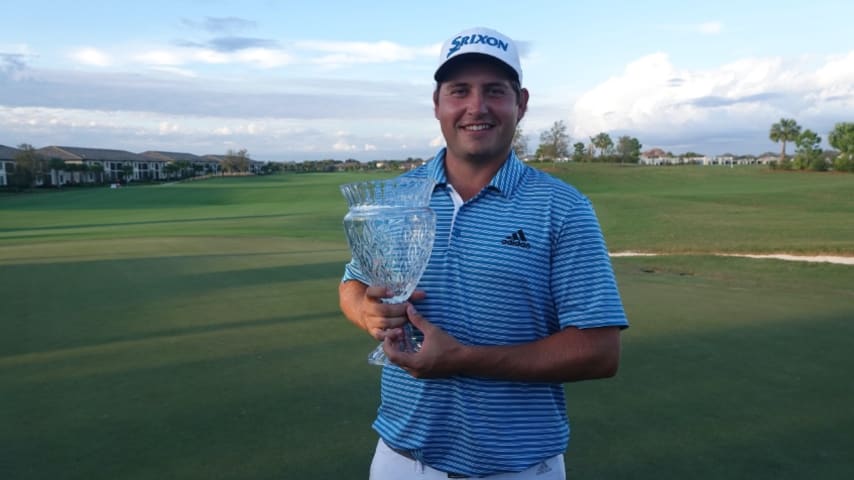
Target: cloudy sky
pixel 291 80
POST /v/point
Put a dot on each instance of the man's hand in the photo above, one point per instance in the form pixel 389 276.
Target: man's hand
pixel 440 354
pixel 569 355
pixel 378 317
pixel 363 306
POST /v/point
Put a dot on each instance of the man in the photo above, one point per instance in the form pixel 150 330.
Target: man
pixel 519 295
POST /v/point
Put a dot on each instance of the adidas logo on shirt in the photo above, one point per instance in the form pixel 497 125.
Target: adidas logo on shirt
pixel 517 239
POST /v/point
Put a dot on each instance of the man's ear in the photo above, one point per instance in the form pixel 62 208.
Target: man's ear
pixel 523 104
pixel 436 103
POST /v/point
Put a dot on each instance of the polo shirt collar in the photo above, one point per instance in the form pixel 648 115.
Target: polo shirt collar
pixel 505 180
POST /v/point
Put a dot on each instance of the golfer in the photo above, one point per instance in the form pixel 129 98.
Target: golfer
pixel 519 296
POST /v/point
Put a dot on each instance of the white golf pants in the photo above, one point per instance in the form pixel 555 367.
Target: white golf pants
pixel 390 465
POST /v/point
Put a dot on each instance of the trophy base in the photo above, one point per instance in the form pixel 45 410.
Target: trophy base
pixel 377 357
pixel 410 343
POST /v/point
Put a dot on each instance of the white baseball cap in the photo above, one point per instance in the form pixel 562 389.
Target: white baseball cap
pixel 481 41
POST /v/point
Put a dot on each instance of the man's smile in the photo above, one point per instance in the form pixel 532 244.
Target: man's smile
pixel 477 127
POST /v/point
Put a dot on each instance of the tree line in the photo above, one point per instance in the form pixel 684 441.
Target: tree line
pixel 555 146
pixel 30 167
pixel 808 152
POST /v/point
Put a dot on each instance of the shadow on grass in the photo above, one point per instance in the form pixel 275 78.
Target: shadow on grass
pixel 113 297
pixel 173 334
pixel 263 275
pixel 751 402
pixel 146 222
pixel 765 400
pixel 78 258
pixel 738 370
pixel 260 414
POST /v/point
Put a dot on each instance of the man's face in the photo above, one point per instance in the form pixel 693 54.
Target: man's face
pixel 478 111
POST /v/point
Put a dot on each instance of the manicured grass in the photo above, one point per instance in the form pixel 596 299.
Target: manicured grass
pixel 732 368
pixel 192 331
pixel 703 209
pixel 304 206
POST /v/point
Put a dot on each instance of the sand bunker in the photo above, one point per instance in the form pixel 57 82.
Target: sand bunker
pixel 778 256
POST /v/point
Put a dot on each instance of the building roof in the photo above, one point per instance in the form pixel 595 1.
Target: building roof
pixel 100 154
pixel 655 153
pixel 171 156
pixel 8 153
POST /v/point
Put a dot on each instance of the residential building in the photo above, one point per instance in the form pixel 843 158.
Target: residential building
pixel 200 165
pixel 7 163
pixel 767 158
pixel 114 165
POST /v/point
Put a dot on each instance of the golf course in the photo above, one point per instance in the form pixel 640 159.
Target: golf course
pixel 191 330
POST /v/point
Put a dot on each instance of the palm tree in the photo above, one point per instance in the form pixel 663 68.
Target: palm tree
pixel 786 130
pixel 603 142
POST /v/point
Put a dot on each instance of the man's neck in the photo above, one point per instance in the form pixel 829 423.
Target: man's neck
pixel 470 177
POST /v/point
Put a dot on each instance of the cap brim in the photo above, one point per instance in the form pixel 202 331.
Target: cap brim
pixel 461 59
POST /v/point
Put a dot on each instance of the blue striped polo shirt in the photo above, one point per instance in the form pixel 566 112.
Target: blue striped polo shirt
pixel 521 260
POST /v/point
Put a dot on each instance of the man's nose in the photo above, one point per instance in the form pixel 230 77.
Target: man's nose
pixel 477 103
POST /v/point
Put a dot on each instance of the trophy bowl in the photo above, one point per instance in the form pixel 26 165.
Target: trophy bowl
pixel 390 229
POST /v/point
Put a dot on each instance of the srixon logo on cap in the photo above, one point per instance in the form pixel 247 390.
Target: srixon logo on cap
pixel 474 39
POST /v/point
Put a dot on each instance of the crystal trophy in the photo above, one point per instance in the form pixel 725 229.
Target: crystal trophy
pixel 390 229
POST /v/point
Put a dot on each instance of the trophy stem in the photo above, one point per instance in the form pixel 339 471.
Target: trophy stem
pixel 410 343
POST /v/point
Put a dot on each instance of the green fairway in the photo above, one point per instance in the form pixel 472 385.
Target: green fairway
pixel 705 209
pixel 732 368
pixel 191 331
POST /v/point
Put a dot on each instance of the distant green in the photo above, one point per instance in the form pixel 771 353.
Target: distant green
pixel 191 331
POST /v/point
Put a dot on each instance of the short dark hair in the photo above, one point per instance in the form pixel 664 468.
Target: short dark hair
pixel 455 63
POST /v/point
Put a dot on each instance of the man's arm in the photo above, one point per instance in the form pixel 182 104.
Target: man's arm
pixel 569 355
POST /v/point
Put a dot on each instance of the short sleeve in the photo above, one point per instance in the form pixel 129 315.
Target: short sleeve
pixel 583 284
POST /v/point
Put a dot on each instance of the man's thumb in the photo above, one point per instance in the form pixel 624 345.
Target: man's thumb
pixel 417 320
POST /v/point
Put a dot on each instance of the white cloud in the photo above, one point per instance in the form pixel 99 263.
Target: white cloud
pixel 179 56
pixel 209 56
pixel 654 97
pixel 342 146
pixel 263 57
pixel 168 127
pixel 91 56
pixel 160 57
pixel 180 72
pixel 268 138
pixel 320 53
pixel 256 129
pixel 338 53
pixel 836 77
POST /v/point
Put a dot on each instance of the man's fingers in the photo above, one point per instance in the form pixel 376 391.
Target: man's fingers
pixel 394 334
pixel 378 292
